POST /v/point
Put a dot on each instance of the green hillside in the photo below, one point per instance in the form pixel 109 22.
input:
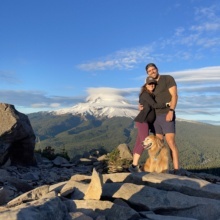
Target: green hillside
pixel 198 143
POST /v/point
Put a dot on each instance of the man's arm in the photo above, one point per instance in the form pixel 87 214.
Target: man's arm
pixel 174 97
pixel 173 102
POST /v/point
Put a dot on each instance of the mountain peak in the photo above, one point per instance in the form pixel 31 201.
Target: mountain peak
pixel 102 106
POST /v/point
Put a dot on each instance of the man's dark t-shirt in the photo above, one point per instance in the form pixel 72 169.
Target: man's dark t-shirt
pixel 162 93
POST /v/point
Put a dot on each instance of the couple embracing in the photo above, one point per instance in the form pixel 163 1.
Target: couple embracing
pixel 158 98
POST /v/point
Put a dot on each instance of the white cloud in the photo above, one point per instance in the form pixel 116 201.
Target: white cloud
pixel 203 33
pixel 9 77
pixel 112 93
pixel 206 27
pixel 204 13
pixel 39 105
pixel 205 75
pixel 46 105
pixel 122 59
pixel 55 105
pixel 179 31
pixel 36 99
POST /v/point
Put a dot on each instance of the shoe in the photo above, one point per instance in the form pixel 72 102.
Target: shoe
pixel 134 169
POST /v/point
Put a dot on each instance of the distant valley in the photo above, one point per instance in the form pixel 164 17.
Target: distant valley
pixel 198 143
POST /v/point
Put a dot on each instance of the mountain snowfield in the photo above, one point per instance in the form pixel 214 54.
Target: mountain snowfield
pixel 102 106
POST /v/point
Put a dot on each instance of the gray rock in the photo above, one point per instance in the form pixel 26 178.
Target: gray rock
pixel 60 160
pixel 110 210
pixel 123 195
pixel 42 209
pixel 17 138
pixel 125 152
pixel 174 203
pixel 183 184
pixel 34 194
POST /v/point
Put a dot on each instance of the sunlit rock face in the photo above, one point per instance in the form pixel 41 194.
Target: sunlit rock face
pixel 17 138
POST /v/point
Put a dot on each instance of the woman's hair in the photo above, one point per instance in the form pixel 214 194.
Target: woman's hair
pixel 144 88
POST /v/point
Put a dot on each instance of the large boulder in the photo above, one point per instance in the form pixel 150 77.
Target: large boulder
pixel 17 138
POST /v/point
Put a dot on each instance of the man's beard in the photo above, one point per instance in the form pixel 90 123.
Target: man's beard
pixel 157 76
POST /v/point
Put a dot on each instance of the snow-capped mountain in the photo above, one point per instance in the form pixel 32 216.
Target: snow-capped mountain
pixel 105 106
pixel 102 106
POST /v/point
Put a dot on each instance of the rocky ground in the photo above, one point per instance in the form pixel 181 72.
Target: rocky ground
pixel 93 187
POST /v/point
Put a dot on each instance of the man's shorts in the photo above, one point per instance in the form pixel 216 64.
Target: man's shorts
pixel 162 126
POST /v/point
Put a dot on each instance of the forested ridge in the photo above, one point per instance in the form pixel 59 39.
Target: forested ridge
pixel 198 143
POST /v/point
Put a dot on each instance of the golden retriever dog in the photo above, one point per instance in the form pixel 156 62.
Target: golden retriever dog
pixel 158 160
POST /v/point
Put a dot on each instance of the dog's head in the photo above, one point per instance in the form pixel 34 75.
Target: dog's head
pixel 151 142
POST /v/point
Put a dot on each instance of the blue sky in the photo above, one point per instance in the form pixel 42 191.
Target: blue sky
pixel 54 54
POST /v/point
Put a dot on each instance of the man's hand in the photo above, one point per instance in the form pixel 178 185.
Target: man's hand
pixel 140 107
pixel 169 116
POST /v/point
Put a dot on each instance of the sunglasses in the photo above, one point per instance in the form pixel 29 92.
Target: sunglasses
pixel 151 84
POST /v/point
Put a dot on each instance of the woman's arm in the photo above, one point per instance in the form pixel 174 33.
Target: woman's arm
pixel 150 101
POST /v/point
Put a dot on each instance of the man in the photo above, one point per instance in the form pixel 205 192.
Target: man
pixel 164 125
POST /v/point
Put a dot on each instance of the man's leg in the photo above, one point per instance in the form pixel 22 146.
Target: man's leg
pixel 167 128
pixel 160 136
pixel 170 139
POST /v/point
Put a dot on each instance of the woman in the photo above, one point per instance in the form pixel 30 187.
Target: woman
pixel 145 118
